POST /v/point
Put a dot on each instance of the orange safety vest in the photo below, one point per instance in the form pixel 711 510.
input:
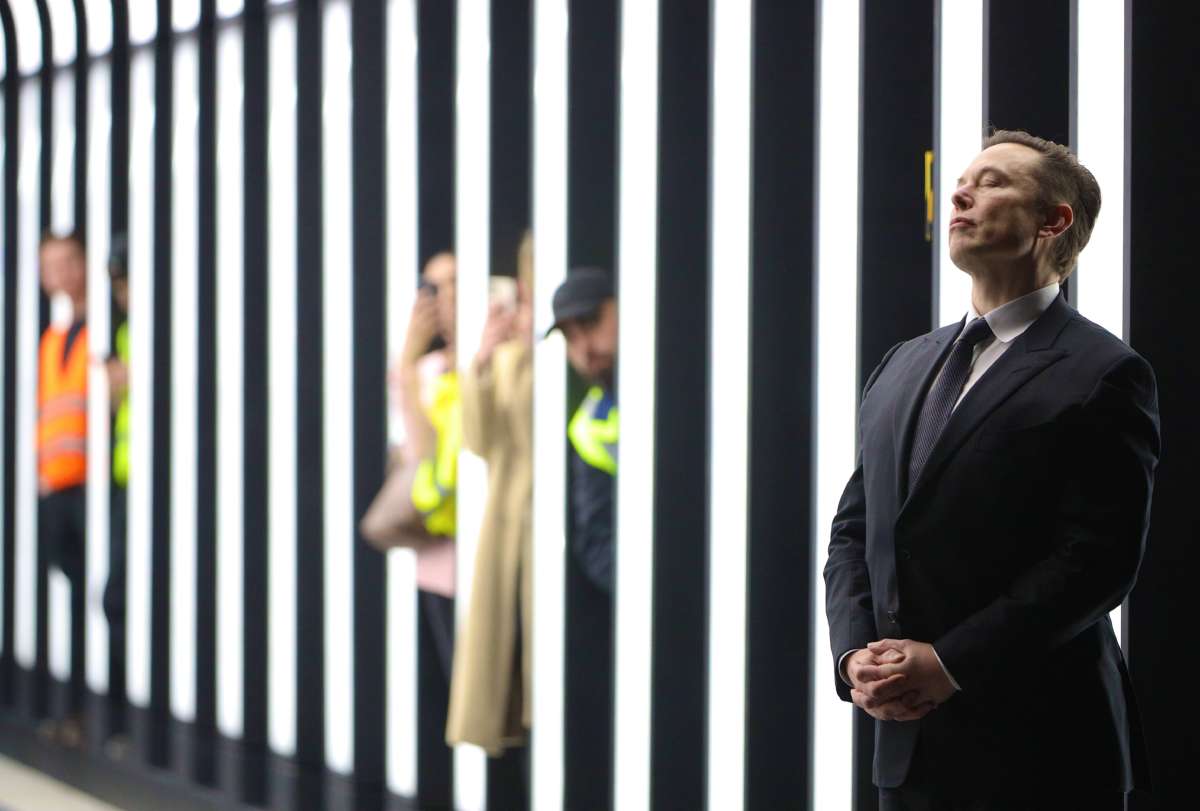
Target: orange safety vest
pixel 62 410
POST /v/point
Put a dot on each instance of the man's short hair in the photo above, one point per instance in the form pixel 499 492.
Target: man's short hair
pixel 1062 179
pixel 73 237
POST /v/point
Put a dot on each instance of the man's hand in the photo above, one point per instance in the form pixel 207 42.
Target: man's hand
pixel 886 697
pixel 924 675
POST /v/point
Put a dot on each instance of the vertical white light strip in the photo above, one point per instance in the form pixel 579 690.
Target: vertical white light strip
pixel 99 26
pixel 837 388
pixel 729 352
pixel 472 243
pixel 230 391
pixel 62 221
pixel 185 374
pixel 141 370
pixel 1100 100
pixel 402 271
pixel 29 36
pixel 99 328
pixel 960 133
pixel 62 170
pixel 637 283
pixel 339 387
pixel 143 21
pixel 550 92
pixel 25 503
pixel 62 27
pixel 185 14
pixel 282 329
pixel 229 8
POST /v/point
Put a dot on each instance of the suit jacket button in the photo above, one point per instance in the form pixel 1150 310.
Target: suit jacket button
pixel 903 553
pixel 894 617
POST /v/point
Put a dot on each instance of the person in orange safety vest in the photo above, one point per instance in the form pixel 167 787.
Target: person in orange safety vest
pixel 63 363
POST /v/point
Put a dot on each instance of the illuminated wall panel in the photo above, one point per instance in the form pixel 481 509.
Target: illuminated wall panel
pixel 836 383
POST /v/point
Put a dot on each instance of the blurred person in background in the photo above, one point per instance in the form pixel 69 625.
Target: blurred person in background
pixel 117 369
pixel 62 450
pixel 585 311
pixel 415 507
pixel 490 695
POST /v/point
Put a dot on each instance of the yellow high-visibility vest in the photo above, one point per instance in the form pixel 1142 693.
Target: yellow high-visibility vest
pixel 436 480
pixel 594 431
pixel 120 448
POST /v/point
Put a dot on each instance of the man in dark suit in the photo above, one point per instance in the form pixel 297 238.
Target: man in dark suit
pixel 997 514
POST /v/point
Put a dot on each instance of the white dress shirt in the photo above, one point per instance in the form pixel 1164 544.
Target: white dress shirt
pixel 1008 322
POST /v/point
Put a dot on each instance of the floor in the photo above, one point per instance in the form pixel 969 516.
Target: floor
pixel 23 789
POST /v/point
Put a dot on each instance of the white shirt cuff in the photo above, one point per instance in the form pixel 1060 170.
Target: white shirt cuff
pixel 842 669
pixel 944 670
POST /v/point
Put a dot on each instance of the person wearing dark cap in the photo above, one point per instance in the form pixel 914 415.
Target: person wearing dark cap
pixel 585 311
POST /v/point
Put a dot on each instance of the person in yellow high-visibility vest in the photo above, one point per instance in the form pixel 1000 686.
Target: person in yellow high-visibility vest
pixel 117 367
pixel 430 407
pixel 585 311
pixel 63 364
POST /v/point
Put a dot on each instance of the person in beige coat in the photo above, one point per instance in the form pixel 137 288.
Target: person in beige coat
pixel 490 688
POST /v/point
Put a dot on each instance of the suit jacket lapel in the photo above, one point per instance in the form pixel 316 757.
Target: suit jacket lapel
pixel 922 367
pixel 1030 353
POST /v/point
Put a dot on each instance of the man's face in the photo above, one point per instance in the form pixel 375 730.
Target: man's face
pixel 63 268
pixel 592 344
pixel 442 273
pixel 997 209
pixel 120 293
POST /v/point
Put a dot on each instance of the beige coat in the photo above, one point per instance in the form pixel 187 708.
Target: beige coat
pixel 489 691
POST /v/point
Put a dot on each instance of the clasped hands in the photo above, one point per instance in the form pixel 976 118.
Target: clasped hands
pixel 897 679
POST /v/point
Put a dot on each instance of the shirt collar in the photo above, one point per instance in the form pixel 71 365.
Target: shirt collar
pixel 1009 320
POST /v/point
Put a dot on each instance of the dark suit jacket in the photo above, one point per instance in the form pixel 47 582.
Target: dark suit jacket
pixel 1025 528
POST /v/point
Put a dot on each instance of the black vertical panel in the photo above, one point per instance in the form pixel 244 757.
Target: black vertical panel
pixel 592 95
pixel 1027 66
pixel 1162 176
pixel 436 48
pixel 80 68
pixel 47 75
pixel 592 133
pixel 511 101
pixel 368 201
pixel 509 211
pixel 895 245
pixel 157 739
pixel 11 88
pixel 254 409
pixel 680 664
pixel 118 225
pixel 310 417
pixel 778 711
pixel 203 767
pixel 436 51
pixel 41 695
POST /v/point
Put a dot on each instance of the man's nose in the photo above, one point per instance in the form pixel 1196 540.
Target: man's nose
pixel 960 199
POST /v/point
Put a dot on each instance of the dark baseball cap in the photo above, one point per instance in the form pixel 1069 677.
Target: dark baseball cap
pixel 580 295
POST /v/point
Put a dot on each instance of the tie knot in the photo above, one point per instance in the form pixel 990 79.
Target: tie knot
pixel 976 331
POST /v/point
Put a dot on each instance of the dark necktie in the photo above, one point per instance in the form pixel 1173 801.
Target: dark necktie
pixel 939 403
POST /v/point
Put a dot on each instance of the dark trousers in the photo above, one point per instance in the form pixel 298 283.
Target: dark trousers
pixel 114 607
pixel 923 791
pixel 62 522
pixel 1056 799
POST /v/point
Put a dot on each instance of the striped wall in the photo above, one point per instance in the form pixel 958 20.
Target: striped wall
pixel 755 174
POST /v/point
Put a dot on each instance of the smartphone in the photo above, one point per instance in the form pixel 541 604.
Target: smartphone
pixel 502 290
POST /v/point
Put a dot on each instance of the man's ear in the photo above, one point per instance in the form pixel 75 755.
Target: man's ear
pixel 1058 219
